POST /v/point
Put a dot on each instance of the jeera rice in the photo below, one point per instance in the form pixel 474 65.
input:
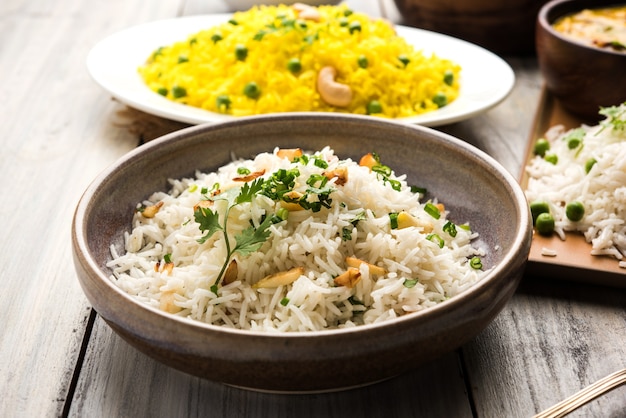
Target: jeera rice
pixel 578 177
pixel 270 58
pixel 291 241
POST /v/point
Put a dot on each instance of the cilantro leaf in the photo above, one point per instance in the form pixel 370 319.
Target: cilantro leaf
pixel 249 190
pixel 251 239
pixel 209 222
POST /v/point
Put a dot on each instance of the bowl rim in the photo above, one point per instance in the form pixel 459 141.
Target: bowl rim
pixel 546 23
pixel 510 259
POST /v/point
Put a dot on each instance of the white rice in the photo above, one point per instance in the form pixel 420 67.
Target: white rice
pixel 602 191
pixel 312 240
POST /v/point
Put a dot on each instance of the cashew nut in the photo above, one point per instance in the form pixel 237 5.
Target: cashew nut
pixel 332 92
pixel 307 12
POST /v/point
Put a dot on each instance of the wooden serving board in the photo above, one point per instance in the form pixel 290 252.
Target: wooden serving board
pixel 573 260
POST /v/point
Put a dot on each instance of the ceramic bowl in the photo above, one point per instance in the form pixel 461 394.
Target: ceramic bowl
pixel 504 27
pixel 583 78
pixel 235 5
pixel 475 188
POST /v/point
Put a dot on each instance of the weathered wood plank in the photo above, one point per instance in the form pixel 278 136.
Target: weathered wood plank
pixel 56 134
pixel 117 380
pixel 551 341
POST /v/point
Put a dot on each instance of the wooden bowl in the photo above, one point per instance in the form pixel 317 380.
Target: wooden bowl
pixel 505 27
pixel 583 78
pixel 475 188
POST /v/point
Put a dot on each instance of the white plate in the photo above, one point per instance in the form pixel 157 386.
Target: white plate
pixel 485 80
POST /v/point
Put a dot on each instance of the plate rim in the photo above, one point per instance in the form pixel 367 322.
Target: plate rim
pixel 117 77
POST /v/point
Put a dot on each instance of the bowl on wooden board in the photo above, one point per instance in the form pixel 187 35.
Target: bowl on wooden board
pixel 474 187
pixel 581 76
pixel 504 27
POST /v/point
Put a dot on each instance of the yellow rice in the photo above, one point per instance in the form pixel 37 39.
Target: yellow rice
pixel 206 73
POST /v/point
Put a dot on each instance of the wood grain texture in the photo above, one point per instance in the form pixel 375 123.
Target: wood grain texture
pixel 56 135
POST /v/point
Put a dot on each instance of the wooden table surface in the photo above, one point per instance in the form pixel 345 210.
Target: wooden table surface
pixel 58 358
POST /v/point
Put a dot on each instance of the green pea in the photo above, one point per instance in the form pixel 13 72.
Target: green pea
pixel 589 164
pixel 252 90
pixel 551 158
pixel 355 27
pixel 541 147
pixel 448 77
pixel 179 92
pixel 404 59
pixel 537 208
pixel 440 99
pixel 241 52
pixel 545 224
pixel 362 61
pixel 294 65
pixel 573 143
pixel 222 102
pixel 374 107
pixel 574 211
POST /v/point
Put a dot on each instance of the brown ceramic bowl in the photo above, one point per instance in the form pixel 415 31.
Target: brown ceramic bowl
pixel 474 187
pixel 583 78
pixel 504 27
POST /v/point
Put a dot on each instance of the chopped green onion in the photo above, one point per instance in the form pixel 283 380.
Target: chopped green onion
pixel 432 210
pixel 393 220
pixel 319 162
pixel 436 239
pixel 182 59
pixel 476 263
pixel 167 258
pixel 162 91
pixel 589 164
pixel 420 190
pixel 448 77
pixel 404 59
pixel 243 171
pixel 409 283
pixel 282 213
pixel 284 301
pixel 362 61
pixel 216 38
pixel 450 228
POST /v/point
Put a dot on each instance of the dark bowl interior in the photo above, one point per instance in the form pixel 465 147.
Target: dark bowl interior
pixel 583 78
pixel 471 184
pixel 504 27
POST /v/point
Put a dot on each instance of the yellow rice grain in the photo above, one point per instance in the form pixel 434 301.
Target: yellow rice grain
pixel 204 67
